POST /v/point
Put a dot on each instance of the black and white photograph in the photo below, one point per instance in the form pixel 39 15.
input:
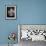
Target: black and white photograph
pixel 10 11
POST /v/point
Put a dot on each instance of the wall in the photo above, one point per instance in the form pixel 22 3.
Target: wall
pixel 33 12
pixel 28 12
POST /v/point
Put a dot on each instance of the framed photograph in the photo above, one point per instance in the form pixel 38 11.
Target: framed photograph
pixel 10 12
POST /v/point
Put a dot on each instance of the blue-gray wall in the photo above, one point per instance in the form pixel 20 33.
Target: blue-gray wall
pixel 28 12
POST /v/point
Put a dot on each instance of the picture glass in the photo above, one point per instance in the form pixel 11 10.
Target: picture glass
pixel 10 12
